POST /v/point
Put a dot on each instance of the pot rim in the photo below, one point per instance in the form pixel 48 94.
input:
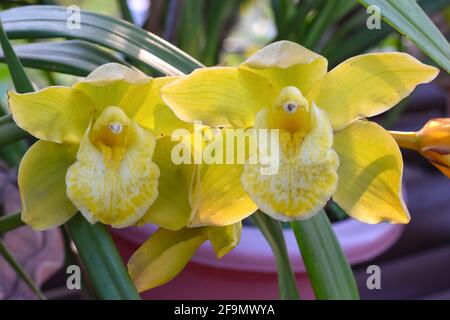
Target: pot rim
pixel 360 242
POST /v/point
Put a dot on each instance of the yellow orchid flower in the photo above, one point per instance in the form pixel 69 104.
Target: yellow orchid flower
pixel 432 141
pixel 97 139
pixel 327 149
pixel 186 191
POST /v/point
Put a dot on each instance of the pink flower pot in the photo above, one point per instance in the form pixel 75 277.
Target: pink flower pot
pixel 249 272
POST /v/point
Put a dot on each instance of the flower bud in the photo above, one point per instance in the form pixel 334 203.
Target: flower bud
pixel 432 141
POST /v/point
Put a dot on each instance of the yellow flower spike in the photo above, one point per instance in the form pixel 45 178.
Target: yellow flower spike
pixel 432 141
pixel 109 175
pixel 287 87
pixel 164 255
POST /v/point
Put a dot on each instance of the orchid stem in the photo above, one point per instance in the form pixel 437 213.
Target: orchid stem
pixel 406 140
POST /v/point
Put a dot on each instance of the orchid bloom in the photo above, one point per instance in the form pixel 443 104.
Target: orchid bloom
pixel 327 147
pixel 188 191
pixel 105 150
pixel 432 141
pixel 95 148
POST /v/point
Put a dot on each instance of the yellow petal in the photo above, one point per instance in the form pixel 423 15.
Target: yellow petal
pixel 218 198
pixel 171 209
pixel 219 96
pixel 366 85
pixel 370 174
pixel 154 114
pixel 42 186
pixel 116 85
pixel 286 63
pixel 224 239
pixel 306 177
pixel 114 180
pixel 163 256
pixel 56 114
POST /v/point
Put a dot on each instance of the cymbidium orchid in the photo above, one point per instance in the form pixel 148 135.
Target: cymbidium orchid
pixel 432 141
pixel 105 150
pixel 97 139
pixel 188 192
pixel 327 148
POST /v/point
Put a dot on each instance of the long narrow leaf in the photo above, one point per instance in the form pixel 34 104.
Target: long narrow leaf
pixel 125 11
pixel 15 67
pixel 7 255
pixel 358 38
pixel 273 232
pixel 140 46
pixel 10 222
pixel 408 18
pixel 321 22
pixel 328 269
pixel 94 243
pixel 102 260
pixel 74 57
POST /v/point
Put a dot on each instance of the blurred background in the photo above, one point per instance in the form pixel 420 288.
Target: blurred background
pixel 414 262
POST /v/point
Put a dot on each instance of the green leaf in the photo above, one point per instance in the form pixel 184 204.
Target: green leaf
pixel 328 269
pixel 9 131
pixel 95 246
pixel 13 153
pixel 358 39
pixel 190 33
pixel 6 254
pixel 10 222
pixel 324 18
pixel 125 11
pixel 409 19
pixel 273 232
pixel 138 45
pixel 74 57
pixel 219 13
pixel 15 67
pixel 103 263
